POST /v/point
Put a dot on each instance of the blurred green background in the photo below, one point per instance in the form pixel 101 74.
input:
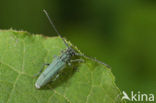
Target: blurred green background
pixel 121 33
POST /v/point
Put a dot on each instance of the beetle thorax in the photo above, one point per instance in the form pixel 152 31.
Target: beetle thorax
pixel 70 51
pixel 67 54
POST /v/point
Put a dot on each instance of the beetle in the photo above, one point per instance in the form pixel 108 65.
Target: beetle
pixel 59 62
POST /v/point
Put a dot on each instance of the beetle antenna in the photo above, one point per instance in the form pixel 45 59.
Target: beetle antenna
pixel 52 24
pixel 94 59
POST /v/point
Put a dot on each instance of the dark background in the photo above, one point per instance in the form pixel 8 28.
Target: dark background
pixel 121 33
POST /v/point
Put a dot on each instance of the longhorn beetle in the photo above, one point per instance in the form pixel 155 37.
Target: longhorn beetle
pixel 59 62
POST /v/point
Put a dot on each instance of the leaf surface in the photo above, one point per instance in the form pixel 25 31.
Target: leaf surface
pixel 22 55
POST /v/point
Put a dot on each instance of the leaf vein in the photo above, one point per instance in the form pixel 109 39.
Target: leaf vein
pixel 91 73
pixel 9 67
pixel 50 98
pixel 62 96
pixel 14 84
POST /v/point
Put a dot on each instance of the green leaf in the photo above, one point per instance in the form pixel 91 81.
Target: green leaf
pixel 22 55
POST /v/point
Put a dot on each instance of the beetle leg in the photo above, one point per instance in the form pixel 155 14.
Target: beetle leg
pixel 56 77
pixel 40 70
pixel 77 60
pixel 69 64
